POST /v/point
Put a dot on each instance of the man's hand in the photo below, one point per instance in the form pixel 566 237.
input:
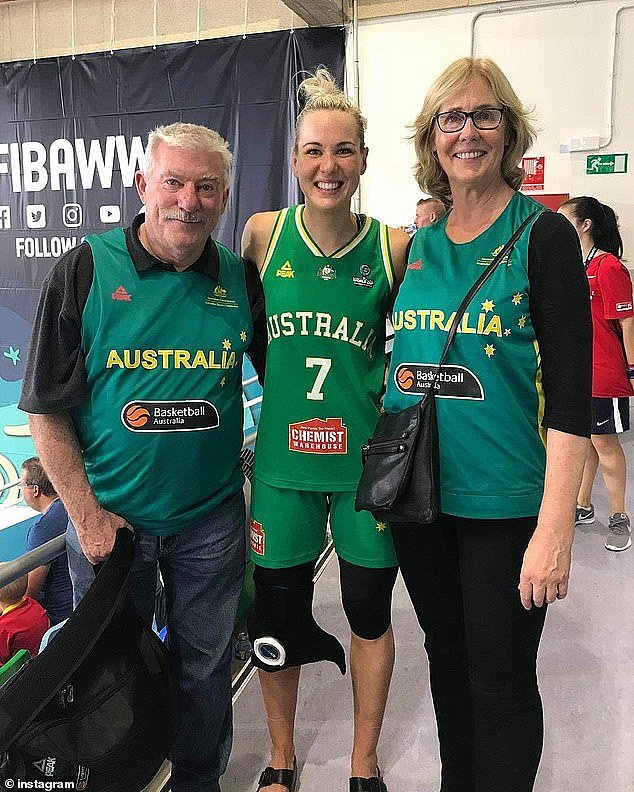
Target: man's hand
pixel 96 534
pixel 546 567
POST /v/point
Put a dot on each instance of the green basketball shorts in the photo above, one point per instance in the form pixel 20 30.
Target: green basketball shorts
pixel 288 528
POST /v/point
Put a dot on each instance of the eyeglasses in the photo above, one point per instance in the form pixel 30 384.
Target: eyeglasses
pixel 484 118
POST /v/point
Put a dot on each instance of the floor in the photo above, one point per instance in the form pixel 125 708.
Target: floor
pixel 585 674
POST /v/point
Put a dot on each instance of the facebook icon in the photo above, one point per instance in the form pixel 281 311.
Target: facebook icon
pixel 5 217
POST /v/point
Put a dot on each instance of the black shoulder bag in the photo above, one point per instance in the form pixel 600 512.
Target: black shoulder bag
pixel 98 707
pixel 400 477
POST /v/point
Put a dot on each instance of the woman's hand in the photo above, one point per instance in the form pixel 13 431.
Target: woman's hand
pixel 546 566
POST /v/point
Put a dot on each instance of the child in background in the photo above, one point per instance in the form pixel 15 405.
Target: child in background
pixel 23 621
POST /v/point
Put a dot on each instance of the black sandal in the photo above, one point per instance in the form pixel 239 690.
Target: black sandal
pixel 374 784
pixel 287 778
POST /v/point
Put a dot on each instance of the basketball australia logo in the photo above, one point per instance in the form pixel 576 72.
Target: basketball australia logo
pixel 453 382
pixel 170 416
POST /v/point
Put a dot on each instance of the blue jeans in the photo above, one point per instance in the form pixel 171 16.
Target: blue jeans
pixel 203 573
pixel 80 569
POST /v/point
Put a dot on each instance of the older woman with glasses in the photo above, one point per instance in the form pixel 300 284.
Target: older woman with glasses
pixel 513 415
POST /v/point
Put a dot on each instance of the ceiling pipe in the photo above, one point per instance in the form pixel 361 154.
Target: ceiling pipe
pixel 559 4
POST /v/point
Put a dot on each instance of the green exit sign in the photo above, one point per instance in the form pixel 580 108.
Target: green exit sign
pixel 606 163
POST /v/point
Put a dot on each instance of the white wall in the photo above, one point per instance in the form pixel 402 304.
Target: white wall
pixel 558 58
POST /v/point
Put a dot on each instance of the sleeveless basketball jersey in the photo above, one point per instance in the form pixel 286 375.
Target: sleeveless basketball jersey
pixel 491 399
pixel 161 430
pixel 325 361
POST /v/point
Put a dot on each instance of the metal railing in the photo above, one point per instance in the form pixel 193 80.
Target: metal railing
pixel 27 562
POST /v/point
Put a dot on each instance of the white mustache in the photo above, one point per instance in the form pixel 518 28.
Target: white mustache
pixel 185 217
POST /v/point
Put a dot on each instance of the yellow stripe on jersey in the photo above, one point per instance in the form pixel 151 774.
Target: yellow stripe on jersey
pixel 303 232
pixel 387 254
pixel 315 249
pixel 275 235
pixel 541 404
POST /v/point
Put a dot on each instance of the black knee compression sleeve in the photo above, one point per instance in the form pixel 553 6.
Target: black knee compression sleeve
pixel 367 598
pixel 281 626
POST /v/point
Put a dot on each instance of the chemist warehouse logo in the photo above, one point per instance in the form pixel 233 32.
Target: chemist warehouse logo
pixel 170 416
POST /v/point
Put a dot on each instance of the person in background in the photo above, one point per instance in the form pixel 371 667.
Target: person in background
pixel 513 426
pixel 613 361
pixel 329 276
pixel 133 387
pixel 428 210
pixel 23 621
pixel 50 583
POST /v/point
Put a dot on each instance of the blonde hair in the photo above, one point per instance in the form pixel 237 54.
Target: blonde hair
pixel 189 136
pixel 323 93
pixel 435 204
pixel 14 591
pixel 517 124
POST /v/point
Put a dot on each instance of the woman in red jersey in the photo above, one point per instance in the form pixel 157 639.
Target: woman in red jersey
pixel 613 355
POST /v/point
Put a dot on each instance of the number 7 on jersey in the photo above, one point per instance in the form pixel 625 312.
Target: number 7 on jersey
pixel 315 393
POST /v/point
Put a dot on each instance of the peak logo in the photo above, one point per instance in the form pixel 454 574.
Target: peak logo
pixel 121 294
pixel 46 766
pixel 170 416
pixel 285 271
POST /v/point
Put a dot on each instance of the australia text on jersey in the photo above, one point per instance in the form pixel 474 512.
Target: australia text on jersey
pixel 171 358
pixel 429 319
pixel 323 325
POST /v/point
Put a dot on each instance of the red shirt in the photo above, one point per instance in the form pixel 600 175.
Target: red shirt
pixel 22 628
pixel 610 300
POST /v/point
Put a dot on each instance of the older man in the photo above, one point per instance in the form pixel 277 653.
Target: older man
pixel 133 389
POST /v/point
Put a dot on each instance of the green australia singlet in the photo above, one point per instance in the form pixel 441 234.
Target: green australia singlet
pixel 492 450
pixel 161 429
pixel 325 360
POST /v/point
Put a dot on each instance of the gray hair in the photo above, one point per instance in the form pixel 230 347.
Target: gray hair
pixel 189 136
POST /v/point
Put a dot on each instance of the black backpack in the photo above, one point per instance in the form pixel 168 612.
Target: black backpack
pixel 98 706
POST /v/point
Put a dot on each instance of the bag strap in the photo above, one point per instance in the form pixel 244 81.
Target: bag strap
pixel 26 695
pixel 480 282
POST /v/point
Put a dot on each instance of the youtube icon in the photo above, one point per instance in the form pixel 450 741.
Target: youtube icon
pixel 110 214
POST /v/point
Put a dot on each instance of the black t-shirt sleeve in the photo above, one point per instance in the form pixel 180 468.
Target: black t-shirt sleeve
pixel 560 312
pixel 257 348
pixel 55 374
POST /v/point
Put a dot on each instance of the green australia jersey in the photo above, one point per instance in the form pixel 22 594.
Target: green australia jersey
pixel 161 430
pixel 325 362
pixel 492 448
